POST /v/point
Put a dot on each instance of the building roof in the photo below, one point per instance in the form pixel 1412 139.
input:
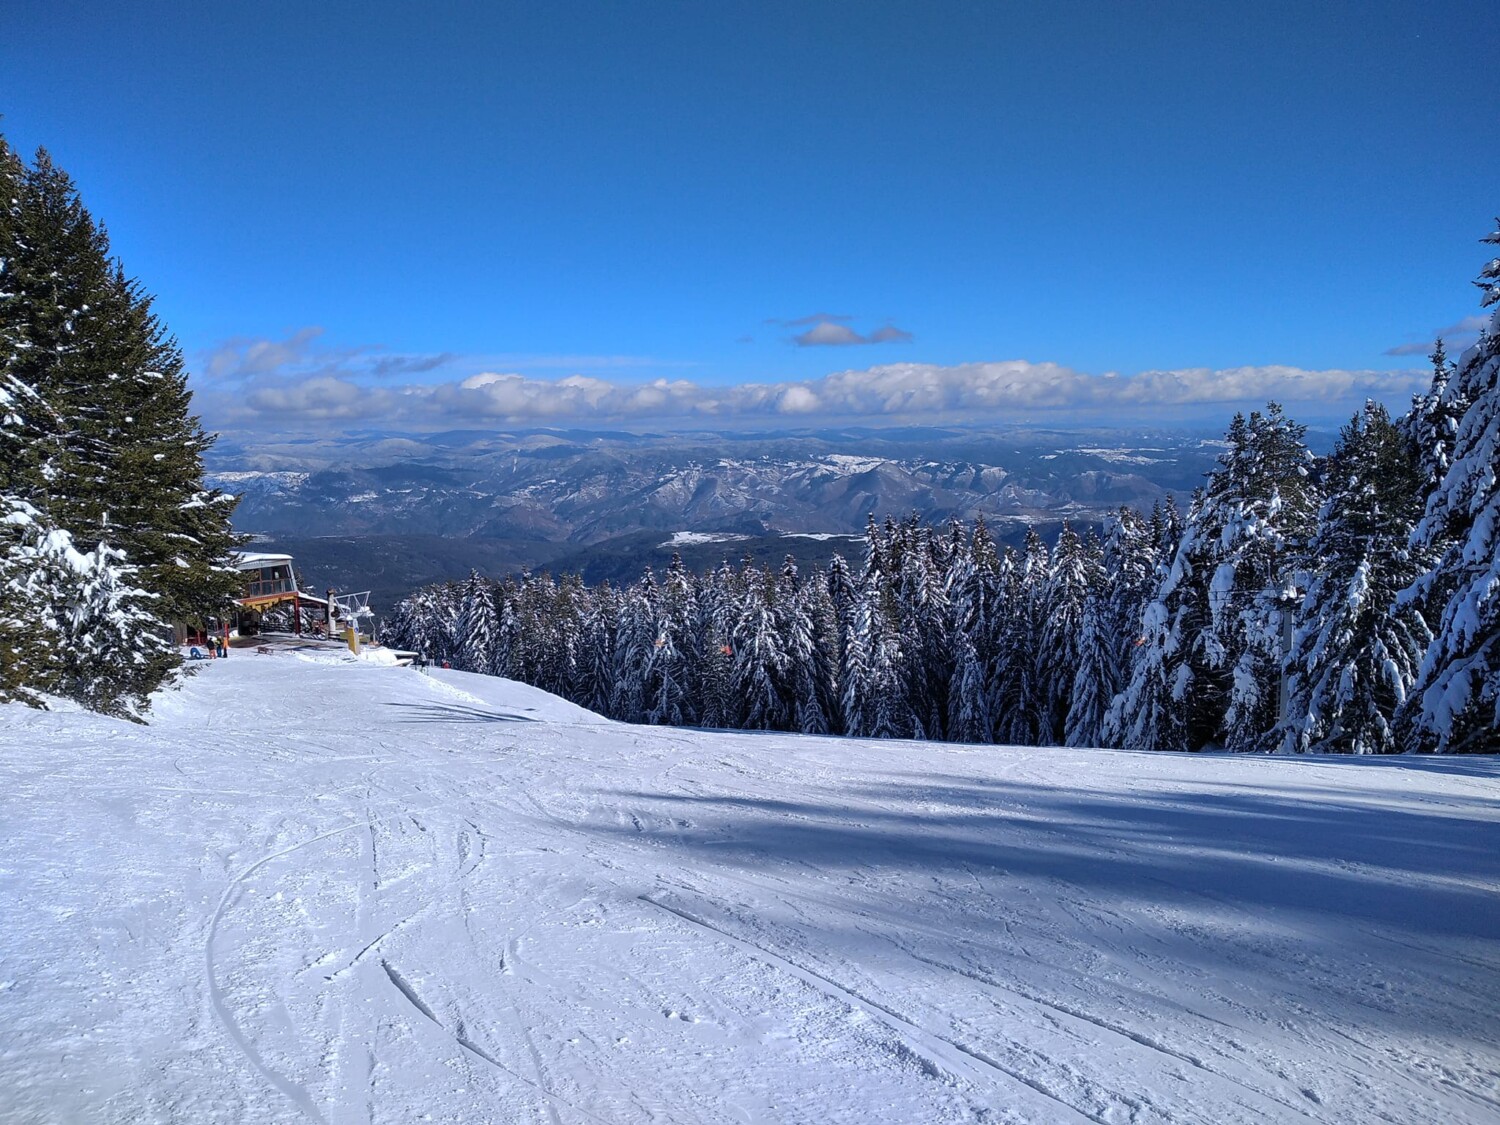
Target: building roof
pixel 250 560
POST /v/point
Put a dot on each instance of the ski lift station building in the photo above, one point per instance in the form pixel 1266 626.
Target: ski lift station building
pixel 270 581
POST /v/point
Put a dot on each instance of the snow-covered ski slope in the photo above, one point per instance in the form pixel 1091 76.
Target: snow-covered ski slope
pixel 345 893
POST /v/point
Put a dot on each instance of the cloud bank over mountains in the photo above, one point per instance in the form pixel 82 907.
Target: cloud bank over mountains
pixel 291 383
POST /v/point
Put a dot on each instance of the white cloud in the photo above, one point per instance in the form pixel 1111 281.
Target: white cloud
pixel 319 396
pixel 248 360
pixel 827 332
pixel 798 400
pixel 244 357
pixel 1459 335
pixel 1013 388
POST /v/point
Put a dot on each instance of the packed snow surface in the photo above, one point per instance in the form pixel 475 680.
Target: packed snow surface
pixel 332 891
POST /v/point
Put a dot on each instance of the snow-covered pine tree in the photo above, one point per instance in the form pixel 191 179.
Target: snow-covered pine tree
pixel 815 602
pixel 1018 703
pixel 677 656
pixel 597 659
pixel 570 604
pixel 1246 537
pixel 667 684
pixel 32 636
pixel 1356 652
pixel 128 471
pixel 418 624
pixel 508 642
pixel 804 668
pixel 1137 553
pixel 1095 671
pixel 1131 566
pixel 972 603
pixel 29 426
pixel 1454 707
pixel 477 627
pixel 635 648
pixel 113 642
pixel 1431 425
pixel 556 617
pixel 399 625
pixel 1072 572
pixel 668 702
pixel 843 598
pixel 72 623
pixel 1145 712
pixel 718 608
pixel 922 604
pixel 760 658
pixel 1207 667
pixel 874 691
pixel 1152 712
pixel 1264 507
pixel 522 632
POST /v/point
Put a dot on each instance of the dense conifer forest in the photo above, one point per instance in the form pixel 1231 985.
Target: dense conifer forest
pixel 1348 604
pixel 108 534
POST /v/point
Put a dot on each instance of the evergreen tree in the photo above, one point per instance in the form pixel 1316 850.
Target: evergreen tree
pixel 32 586
pixel 1131 567
pixel 677 656
pixel 1356 652
pixel 1431 426
pixel 635 648
pixel 923 620
pixel 122 473
pixel 1072 572
pixel 973 604
pixel 1207 667
pixel 477 627
pixel 30 634
pixel 1094 672
pixel 818 713
pixel 112 639
pixel 759 658
pixel 842 601
pixel 1020 702
pixel 503 659
pixel 874 692
pixel 600 627
pixel 803 665
pixel 1455 704
pixel 72 623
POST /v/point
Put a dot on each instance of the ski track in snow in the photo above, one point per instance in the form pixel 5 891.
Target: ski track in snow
pixel 340 893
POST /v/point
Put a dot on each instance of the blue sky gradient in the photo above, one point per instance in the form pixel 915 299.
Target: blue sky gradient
pixel 722 194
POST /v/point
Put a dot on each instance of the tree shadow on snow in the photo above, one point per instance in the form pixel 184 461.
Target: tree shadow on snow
pixel 1334 884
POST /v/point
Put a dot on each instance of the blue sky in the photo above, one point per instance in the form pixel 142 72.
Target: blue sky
pixel 347 211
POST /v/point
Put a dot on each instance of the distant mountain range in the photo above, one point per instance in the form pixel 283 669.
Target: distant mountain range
pixel 392 511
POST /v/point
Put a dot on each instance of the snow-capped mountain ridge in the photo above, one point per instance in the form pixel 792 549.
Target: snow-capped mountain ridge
pixel 590 492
